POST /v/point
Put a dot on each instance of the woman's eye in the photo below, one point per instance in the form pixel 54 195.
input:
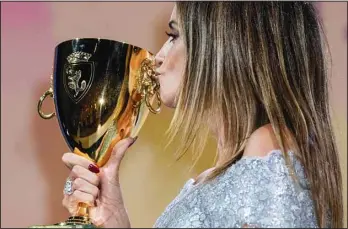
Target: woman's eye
pixel 172 36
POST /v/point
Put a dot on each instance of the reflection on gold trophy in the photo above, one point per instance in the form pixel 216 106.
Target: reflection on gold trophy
pixel 103 91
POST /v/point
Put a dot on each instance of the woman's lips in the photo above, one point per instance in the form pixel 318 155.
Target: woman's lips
pixel 157 74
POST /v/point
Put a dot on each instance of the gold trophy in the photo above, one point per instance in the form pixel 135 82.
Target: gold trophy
pixel 103 91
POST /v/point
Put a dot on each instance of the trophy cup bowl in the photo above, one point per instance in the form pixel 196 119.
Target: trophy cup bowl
pixel 103 91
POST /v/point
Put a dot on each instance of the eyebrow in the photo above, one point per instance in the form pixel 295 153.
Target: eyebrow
pixel 172 23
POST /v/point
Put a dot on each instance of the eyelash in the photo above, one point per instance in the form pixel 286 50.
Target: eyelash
pixel 173 36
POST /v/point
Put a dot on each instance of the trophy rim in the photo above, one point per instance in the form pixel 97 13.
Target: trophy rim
pixel 100 39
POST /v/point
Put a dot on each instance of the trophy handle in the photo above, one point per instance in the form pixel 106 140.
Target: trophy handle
pixel 158 98
pixel 49 92
pixel 148 86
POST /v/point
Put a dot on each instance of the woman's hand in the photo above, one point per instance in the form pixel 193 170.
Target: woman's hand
pixel 99 188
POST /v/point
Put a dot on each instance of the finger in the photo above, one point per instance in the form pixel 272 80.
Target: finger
pixel 78 197
pixel 86 187
pixel 70 202
pixel 83 173
pixel 121 147
pixel 71 159
pixel 118 152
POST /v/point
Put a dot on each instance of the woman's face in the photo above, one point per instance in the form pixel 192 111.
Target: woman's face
pixel 170 63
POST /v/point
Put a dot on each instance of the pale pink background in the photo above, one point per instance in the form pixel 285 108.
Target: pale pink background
pixel 32 174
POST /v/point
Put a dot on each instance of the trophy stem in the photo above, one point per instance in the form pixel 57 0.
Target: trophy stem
pixel 81 217
pixel 80 220
pixel 82 210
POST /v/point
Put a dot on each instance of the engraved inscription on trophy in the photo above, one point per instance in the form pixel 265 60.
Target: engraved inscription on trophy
pixel 78 75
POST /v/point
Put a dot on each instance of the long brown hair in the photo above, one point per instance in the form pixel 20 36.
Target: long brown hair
pixel 253 63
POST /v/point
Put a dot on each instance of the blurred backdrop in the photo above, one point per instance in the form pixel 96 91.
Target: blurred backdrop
pixel 32 174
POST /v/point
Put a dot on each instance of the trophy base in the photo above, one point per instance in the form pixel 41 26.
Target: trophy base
pixel 72 222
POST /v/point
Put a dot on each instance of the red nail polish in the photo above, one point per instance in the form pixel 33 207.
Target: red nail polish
pixel 93 168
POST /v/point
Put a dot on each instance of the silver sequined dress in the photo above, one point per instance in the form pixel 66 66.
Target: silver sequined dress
pixel 257 191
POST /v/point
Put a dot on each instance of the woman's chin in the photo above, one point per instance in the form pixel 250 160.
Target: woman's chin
pixel 170 103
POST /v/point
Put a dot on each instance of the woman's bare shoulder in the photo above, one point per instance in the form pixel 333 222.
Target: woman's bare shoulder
pixel 261 142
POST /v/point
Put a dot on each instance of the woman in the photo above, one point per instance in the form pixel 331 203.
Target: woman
pixel 255 73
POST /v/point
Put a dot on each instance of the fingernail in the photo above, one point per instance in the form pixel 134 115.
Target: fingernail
pixel 93 168
pixel 134 139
